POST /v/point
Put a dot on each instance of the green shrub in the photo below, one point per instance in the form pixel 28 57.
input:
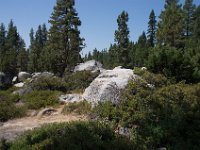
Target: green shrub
pixel 82 107
pixel 79 81
pixel 49 83
pixel 8 109
pixel 39 99
pixel 75 82
pixel 72 136
pixel 156 79
pixel 166 116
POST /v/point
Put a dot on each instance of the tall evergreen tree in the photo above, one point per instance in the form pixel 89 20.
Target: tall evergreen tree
pixel 65 43
pixel 141 52
pixel 22 57
pixel 11 49
pixel 170 26
pixel 151 29
pixel 122 38
pixel 2 46
pixel 38 42
pixel 189 9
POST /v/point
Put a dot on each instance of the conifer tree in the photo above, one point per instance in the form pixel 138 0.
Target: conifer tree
pixel 65 43
pixel 170 26
pixel 2 46
pixel 122 38
pixel 22 57
pixel 11 49
pixel 151 29
pixel 189 9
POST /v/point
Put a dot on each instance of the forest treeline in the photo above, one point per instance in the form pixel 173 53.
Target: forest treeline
pixel 170 46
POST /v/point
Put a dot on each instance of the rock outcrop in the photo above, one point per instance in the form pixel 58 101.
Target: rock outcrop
pixel 22 76
pixel 70 98
pixel 107 86
pixel 91 65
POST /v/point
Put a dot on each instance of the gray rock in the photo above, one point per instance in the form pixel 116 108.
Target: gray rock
pixel 42 74
pixel 70 98
pixel 23 91
pixel 107 86
pixel 21 84
pixel 22 76
pixel 14 80
pixel 91 65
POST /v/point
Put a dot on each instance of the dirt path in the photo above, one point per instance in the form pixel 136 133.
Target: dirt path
pixel 13 128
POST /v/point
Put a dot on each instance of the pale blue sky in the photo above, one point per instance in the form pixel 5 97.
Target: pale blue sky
pixel 98 17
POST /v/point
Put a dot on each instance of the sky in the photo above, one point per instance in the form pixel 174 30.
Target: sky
pixel 99 17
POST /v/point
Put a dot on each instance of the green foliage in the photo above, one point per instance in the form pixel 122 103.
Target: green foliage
pixel 150 78
pixel 8 109
pixel 49 83
pixel 152 29
pixel 41 99
pixel 72 136
pixel 166 60
pixel 165 116
pixel 80 108
pixel 170 27
pixel 64 48
pixel 79 81
pixel 122 39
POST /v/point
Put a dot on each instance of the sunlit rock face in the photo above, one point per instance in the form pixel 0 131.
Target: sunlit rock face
pixel 107 86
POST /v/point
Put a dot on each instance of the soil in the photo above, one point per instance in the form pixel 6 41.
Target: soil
pixel 13 128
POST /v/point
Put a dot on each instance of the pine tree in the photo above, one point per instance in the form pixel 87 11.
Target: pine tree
pixel 22 57
pixel 152 29
pixel 189 9
pixel 11 49
pixel 122 38
pixel 170 26
pixel 38 42
pixel 141 53
pixel 65 43
pixel 2 46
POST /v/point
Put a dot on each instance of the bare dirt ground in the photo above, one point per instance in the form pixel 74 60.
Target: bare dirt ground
pixel 13 128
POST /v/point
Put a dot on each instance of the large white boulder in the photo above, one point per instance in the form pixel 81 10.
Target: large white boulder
pixel 91 65
pixel 22 76
pixel 107 86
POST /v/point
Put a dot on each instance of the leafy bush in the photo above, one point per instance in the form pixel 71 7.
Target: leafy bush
pixel 8 109
pixel 79 81
pixel 82 107
pixel 39 99
pixel 72 136
pixel 156 79
pixel 49 83
pixel 75 82
pixel 161 117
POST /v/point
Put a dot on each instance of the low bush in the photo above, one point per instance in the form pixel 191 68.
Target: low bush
pixel 8 109
pixel 80 108
pixel 49 83
pixel 156 79
pixel 72 83
pixel 79 81
pixel 41 99
pixel 72 136
pixel 166 116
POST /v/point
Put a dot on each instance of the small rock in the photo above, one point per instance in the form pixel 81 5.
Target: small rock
pixel 70 98
pixel 22 76
pixel 21 84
